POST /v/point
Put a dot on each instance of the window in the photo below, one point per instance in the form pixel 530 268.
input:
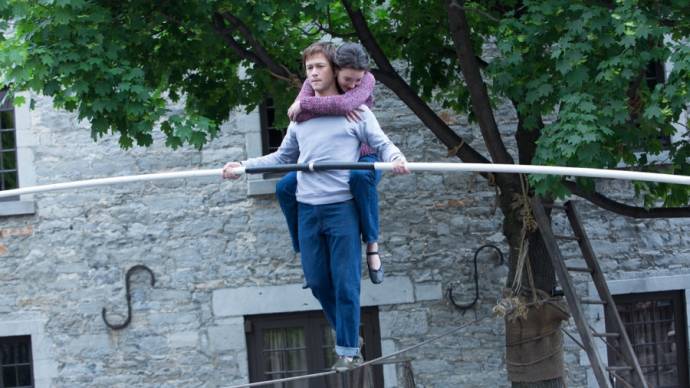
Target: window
pixel 656 75
pixel 657 328
pixel 17 140
pixel 15 362
pixel 8 148
pixel 285 345
pixel 262 138
pixel 271 137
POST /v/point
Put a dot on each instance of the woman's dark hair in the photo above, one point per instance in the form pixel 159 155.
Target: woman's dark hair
pixel 351 56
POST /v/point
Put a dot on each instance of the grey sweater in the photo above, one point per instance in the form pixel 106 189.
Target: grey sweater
pixel 328 139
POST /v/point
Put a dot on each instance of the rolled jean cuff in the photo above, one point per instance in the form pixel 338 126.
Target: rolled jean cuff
pixel 346 352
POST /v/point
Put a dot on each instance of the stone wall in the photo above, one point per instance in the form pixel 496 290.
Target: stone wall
pixel 204 238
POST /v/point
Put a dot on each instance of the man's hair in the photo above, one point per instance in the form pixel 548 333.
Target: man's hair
pixel 352 56
pixel 325 48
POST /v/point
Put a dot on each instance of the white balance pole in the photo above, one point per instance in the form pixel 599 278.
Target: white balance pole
pixel 111 181
pixel 414 167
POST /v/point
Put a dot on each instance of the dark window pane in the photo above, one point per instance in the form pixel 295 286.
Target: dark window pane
pixel 8 160
pixel 275 138
pixel 294 338
pixel 328 341
pixel 273 339
pixel 9 180
pixel 7 140
pixel 655 323
pixel 7 119
pixel 271 112
pixel 9 377
pixel 8 102
pixel 271 136
pixel 23 353
pixel 4 354
pixel 285 350
pixel 296 359
pixel 655 74
pixel 7 354
pixel 24 375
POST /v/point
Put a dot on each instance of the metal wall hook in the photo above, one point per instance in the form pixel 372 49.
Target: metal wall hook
pixel 128 295
pixel 467 306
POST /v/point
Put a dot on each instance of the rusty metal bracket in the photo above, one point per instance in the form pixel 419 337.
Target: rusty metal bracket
pixel 128 295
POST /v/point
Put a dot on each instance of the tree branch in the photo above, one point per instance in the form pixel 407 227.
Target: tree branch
pixel 260 55
pixel 329 30
pixel 335 33
pixel 387 74
pixel 626 210
pixel 277 69
pixel 479 12
pixel 226 35
pixel 481 104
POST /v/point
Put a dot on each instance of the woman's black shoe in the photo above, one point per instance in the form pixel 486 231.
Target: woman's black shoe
pixel 376 275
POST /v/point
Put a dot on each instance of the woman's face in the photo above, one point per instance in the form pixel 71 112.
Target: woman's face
pixel 349 79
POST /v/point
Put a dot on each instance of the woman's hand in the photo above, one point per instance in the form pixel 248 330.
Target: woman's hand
pixel 353 115
pixel 294 110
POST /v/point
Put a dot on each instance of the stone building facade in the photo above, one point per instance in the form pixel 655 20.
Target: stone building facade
pixel 221 256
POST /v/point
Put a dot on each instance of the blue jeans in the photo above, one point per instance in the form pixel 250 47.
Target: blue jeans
pixel 363 187
pixel 329 238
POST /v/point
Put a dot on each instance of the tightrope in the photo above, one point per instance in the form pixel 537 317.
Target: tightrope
pixel 414 167
pixel 362 365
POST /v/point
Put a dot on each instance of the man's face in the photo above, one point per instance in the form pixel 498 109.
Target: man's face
pixel 319 72
pixel 349 78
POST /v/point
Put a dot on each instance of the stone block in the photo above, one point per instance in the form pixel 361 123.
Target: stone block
pixel 394 324
pixel 428 291
pixel 291 297
pixel 185 339
pixel 228 336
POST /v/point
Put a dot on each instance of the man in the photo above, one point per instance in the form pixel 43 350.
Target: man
pixel 356 83
pixel 328 223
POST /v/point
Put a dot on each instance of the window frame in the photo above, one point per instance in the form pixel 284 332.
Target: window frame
pixel 8 107
pixel 312 322
pixel 680 324
pixel 257 184
pixel 266 110
pixel 267 114
pixel 14 340
pixel 25 141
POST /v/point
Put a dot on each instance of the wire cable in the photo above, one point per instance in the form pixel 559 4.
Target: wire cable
pixel 373 361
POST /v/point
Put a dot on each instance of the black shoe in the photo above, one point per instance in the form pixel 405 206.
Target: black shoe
pixel 375 275
pixel 304 284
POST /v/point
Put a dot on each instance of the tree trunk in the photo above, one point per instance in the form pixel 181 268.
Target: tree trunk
pixel 534 325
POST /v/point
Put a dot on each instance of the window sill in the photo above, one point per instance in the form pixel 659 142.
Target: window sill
pixel 17 208
pixel 261 186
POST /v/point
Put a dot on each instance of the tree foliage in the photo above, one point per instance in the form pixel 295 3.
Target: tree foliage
pixel 588 67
